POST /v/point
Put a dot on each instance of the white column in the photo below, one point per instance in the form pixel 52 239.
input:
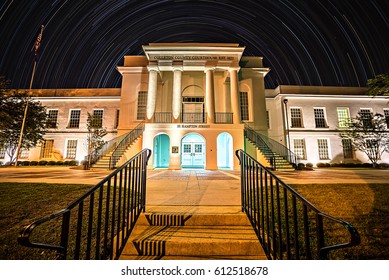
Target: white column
pixel 152 93
pixel 176 102
pixel 234 95
pixel 210 95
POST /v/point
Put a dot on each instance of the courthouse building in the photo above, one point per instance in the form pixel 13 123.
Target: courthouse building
pixel 194 103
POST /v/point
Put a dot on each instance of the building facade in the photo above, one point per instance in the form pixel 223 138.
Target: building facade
pixel 194 101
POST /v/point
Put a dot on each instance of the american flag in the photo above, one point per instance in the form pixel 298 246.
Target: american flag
pixel 38 42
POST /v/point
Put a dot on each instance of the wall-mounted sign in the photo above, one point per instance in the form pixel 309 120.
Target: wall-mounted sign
pixel 193 126
pixel 174 149
pixel 191 57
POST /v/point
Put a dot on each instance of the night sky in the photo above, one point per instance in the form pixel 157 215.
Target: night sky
pixel 303 42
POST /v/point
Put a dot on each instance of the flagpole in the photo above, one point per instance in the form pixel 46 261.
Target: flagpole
pixel 37 43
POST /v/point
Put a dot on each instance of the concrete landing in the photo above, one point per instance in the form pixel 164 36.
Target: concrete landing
pixel 193 188
pixel 174 232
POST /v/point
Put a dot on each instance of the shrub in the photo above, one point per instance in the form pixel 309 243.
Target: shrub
pixel 334 164
pixel 300 166
pixel 26 163
pixel 33 163
pixel 384 165
pixel 309 165
pixel 73 162
pixel 367 165
pixel 42 162
pixel 350 164
pixel 51 162
pixel 320 165
pixel 60 162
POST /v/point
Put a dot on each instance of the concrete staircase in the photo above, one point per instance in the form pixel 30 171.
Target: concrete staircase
pixel 131 150
pixel 280 162
pixel 165 233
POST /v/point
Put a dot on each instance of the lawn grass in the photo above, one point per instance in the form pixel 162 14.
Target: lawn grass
pixel 365 206
pixel 21 204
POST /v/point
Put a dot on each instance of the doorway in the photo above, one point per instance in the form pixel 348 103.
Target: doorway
pixel 161 151
pixel 193 151
pixel 225 153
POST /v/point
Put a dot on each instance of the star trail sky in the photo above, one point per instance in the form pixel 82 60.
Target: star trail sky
pixel 315 42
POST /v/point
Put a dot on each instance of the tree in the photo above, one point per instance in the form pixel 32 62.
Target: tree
pixel 368 134
pixel 12 106
pixel 4 90
pixel 94 138
pixel 379 85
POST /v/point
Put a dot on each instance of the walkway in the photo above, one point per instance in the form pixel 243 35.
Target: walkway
pixel 193 187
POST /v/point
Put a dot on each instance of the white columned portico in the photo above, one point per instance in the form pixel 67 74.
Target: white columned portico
pixel 234 94
pixel 210 94
pixel 152 92
pixel 176 102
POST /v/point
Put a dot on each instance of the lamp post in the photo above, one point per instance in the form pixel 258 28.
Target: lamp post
pixel 287 121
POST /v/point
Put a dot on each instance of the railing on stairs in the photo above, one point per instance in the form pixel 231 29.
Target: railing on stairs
pixel 123 144
pixel 112 144
pixel 99 223
pixel 287 225
pixel 270 146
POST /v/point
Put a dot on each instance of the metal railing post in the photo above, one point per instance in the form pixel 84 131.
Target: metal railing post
pixel 281 217
pixel 108 225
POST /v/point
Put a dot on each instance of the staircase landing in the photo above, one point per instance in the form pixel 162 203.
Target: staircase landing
pixel 190 233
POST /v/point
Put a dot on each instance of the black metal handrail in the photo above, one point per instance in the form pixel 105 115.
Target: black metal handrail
pixel 287 225
pixel 163 117
pixel 123 144
pixel 272 146
pixel 200 117
pixel 226 118
pixel 108 146
pixel 253 136
pixel 99 223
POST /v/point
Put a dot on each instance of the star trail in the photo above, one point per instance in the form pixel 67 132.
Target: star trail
pixel 316 42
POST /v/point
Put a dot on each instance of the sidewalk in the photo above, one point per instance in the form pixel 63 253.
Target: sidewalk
pixel 192 187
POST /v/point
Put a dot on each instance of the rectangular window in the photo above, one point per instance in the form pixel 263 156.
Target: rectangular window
pixel 323 148
pixel 71 149
pixel 244 106
pixel 47 148
pixel 299 148
pixel 343 117
pixel 142 104
pixel 386 114
pixel 74 119
pixel 24 153
pixel 347 148
pixel 198 148
pixel 98 117
pixel 117 119
pixel 320 119
pixel 52 118
pixel 187 148
pixel 366 117
pixel 2 152
pixel 295 117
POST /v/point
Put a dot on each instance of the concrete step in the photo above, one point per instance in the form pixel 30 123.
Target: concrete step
pixel 168 219
pixel 193 235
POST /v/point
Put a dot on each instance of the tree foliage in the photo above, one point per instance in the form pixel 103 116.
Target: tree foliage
pixel 379 85
pixel 369 135
pixel 12 105
pixel 94 137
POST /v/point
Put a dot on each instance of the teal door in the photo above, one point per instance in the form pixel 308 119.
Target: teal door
pixel 161 151
pixel 193 151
